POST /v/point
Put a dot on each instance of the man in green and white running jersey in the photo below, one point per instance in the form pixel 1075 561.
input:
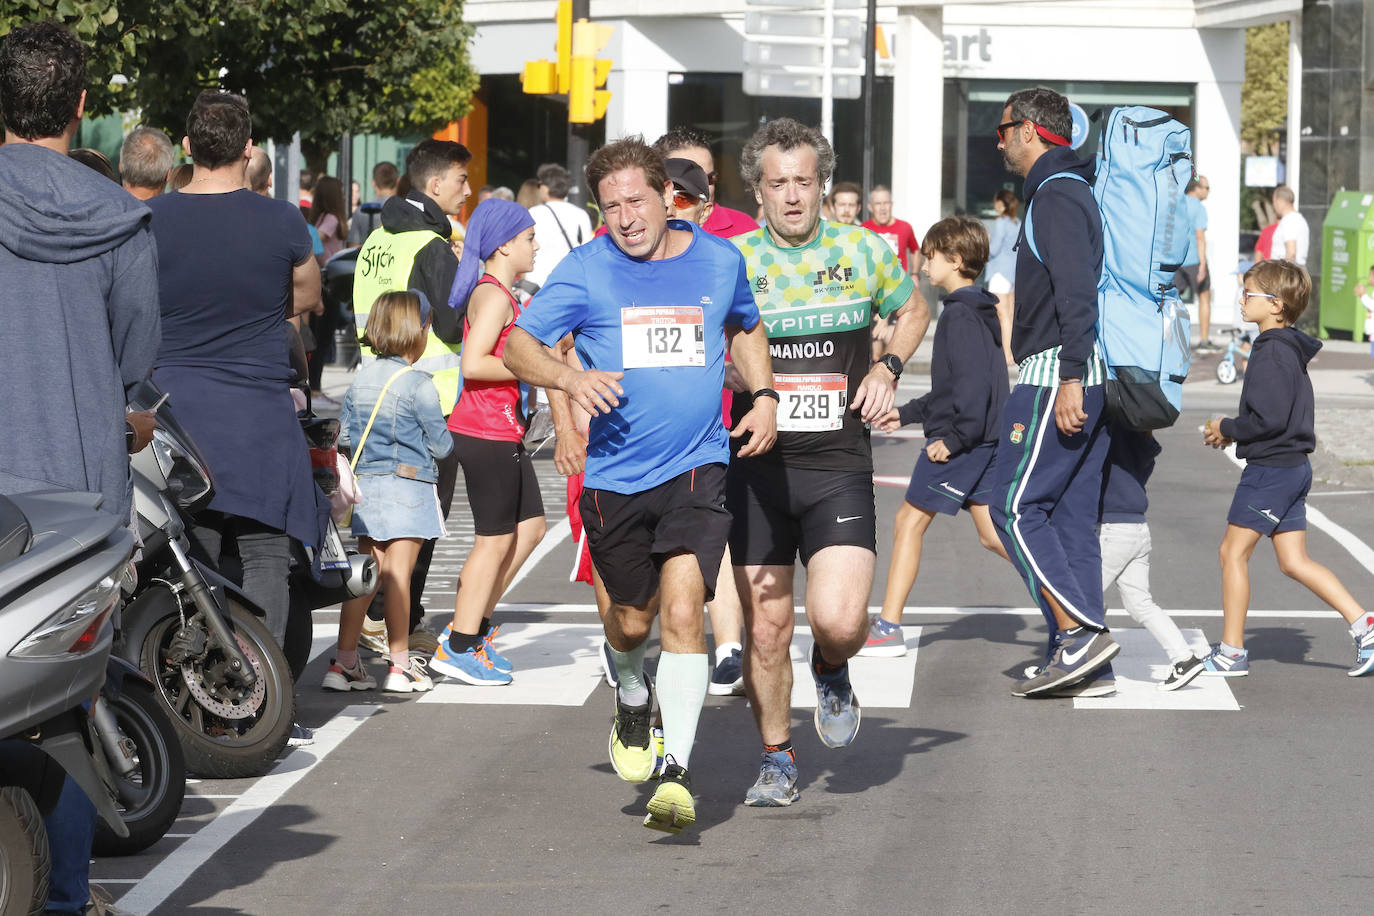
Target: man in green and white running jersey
pixel 817 285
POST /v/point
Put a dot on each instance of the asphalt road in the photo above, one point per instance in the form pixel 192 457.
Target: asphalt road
pixel 1232 796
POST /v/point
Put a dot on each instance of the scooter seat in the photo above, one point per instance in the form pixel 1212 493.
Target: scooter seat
pixel 15 533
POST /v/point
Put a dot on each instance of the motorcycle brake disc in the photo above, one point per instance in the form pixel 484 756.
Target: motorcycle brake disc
pixel 247 706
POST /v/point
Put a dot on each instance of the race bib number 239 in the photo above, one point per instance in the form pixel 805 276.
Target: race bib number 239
pixel 661 336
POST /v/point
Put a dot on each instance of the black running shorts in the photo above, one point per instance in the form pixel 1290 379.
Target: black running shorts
pixel 503 490
pixel 780 513
pixel 631 535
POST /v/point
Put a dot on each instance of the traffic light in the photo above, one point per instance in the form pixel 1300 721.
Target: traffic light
pixel 549 77
pixel 586 99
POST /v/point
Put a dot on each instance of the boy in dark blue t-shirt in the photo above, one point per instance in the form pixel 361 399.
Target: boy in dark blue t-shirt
pixel 968 379
pixel 1274 433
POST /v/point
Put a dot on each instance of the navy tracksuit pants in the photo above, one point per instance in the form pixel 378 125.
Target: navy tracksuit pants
pixel 1044 500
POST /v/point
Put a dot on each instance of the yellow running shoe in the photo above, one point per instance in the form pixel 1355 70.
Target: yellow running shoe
pixel 631 745
pixel 672 807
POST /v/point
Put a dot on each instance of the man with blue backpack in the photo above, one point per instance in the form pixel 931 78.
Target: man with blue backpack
pixel 1053 443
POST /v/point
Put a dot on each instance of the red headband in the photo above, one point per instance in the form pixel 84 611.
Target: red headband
pixel 1049 137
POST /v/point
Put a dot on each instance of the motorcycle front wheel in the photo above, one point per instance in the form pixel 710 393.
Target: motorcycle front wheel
pixel 226 732
pixel 150 797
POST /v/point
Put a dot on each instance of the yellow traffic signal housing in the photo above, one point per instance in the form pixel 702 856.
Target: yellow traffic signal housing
pixel 540 77
pixel 587 101
pixel 545 77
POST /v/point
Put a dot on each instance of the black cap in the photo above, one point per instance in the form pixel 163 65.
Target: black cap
pixel 687 176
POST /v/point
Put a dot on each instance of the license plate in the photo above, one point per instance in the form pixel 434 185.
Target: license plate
pixel 332 554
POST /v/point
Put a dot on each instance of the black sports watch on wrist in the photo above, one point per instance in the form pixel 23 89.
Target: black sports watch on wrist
pixel 894 364
pixel 767 393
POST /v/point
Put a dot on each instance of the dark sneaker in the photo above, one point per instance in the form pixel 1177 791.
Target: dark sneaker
pixel 1056 638
pixel 671 807
pixel 837 709
pixel 1218 664
pixel 300 736
pixel 1101 683
pixel 885 640
pixel 1182 673
pixel 1080 654
pixel 728 678
pixel 1364 654
pixel 631 745
pixel 776 786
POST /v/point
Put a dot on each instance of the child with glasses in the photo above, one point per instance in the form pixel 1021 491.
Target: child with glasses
pixel 1274 434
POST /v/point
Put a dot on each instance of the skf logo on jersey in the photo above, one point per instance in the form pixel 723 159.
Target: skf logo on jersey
pixel 761 284
pixel 1018 432
pixel 833 274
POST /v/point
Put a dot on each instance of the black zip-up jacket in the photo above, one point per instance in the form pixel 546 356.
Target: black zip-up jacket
pixel 968 374
pixel 1130 462
pixel 1056 301
pixel 436 264
pixel 1275 427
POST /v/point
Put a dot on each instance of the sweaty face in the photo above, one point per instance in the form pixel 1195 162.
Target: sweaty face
pixel 636 214
pixel 790 192
pixel 880 202
pixel 450 190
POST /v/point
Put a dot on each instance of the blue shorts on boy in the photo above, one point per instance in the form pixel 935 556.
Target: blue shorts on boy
pixel 946 487
pixel 1271 500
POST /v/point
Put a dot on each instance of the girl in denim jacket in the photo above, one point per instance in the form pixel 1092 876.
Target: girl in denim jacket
pixel 391 413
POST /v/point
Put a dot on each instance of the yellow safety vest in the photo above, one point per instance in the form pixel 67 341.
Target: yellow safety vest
pixel 384 266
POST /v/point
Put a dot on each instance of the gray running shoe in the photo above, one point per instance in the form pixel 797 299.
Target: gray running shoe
pixel 1056 638
pixel 837 709
pixel 1101 683
pixel 776 786
pixel 1080 654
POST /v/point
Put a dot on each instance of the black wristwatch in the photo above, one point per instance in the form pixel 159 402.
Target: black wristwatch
pixel 767 393
pixel 894 364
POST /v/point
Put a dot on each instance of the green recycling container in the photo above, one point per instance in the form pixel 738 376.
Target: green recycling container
pixel 1347 263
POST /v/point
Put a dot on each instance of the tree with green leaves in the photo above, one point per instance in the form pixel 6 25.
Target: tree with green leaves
pixel 320 67
pixel 1263 109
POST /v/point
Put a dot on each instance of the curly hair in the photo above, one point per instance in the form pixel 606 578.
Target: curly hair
pixel 786 134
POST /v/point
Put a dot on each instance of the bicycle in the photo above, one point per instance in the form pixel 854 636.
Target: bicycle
pixel 1228 370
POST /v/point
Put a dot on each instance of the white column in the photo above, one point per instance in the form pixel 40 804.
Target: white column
pixel 918 117
pixel 639 104
pixel 1294 105
pixel 1216 152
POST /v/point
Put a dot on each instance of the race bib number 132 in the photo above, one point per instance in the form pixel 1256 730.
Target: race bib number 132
pixel 661 336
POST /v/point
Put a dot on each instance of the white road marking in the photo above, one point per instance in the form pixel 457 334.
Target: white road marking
pixel 556 664
pixel 1141 665
pixel 1342 493
pixel 169 874
pixel 552 538
pixel 1357 548
pixel 947 611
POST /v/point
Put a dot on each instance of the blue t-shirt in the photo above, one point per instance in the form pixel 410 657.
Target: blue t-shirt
pixel 1196 218
pixel 620 309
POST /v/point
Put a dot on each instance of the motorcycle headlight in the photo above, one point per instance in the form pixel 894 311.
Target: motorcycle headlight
pixel 75 628
pixel 187 482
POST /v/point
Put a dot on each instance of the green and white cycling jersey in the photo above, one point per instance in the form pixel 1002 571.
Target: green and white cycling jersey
pixel 817 303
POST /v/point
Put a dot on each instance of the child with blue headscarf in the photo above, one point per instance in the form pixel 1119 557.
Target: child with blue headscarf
pixel 488 426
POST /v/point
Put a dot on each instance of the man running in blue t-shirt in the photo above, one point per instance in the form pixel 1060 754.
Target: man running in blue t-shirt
pixel 649 307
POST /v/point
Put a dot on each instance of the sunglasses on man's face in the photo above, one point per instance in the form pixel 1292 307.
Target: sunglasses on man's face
pixel 684 201
pixel 1003 128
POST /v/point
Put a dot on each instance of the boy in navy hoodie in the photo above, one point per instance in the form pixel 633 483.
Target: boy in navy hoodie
pixel 968 384
pixel 1274 434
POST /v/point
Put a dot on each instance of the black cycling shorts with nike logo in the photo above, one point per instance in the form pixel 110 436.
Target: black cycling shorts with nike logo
pixel 780 513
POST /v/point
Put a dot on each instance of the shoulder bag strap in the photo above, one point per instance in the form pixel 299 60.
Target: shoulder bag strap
pixel 559 223
pixel 358 452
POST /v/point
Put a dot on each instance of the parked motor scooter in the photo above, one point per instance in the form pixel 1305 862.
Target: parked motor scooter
pixel 63 568
pixel 144 756
pixel 205 645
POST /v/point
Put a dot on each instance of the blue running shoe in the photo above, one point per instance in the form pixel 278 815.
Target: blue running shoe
pixel 1364 652
pixel 727 680
pixel 471 667
pixel 837 709
pixel 1218 664
pixel 776 786
pixel 498 661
